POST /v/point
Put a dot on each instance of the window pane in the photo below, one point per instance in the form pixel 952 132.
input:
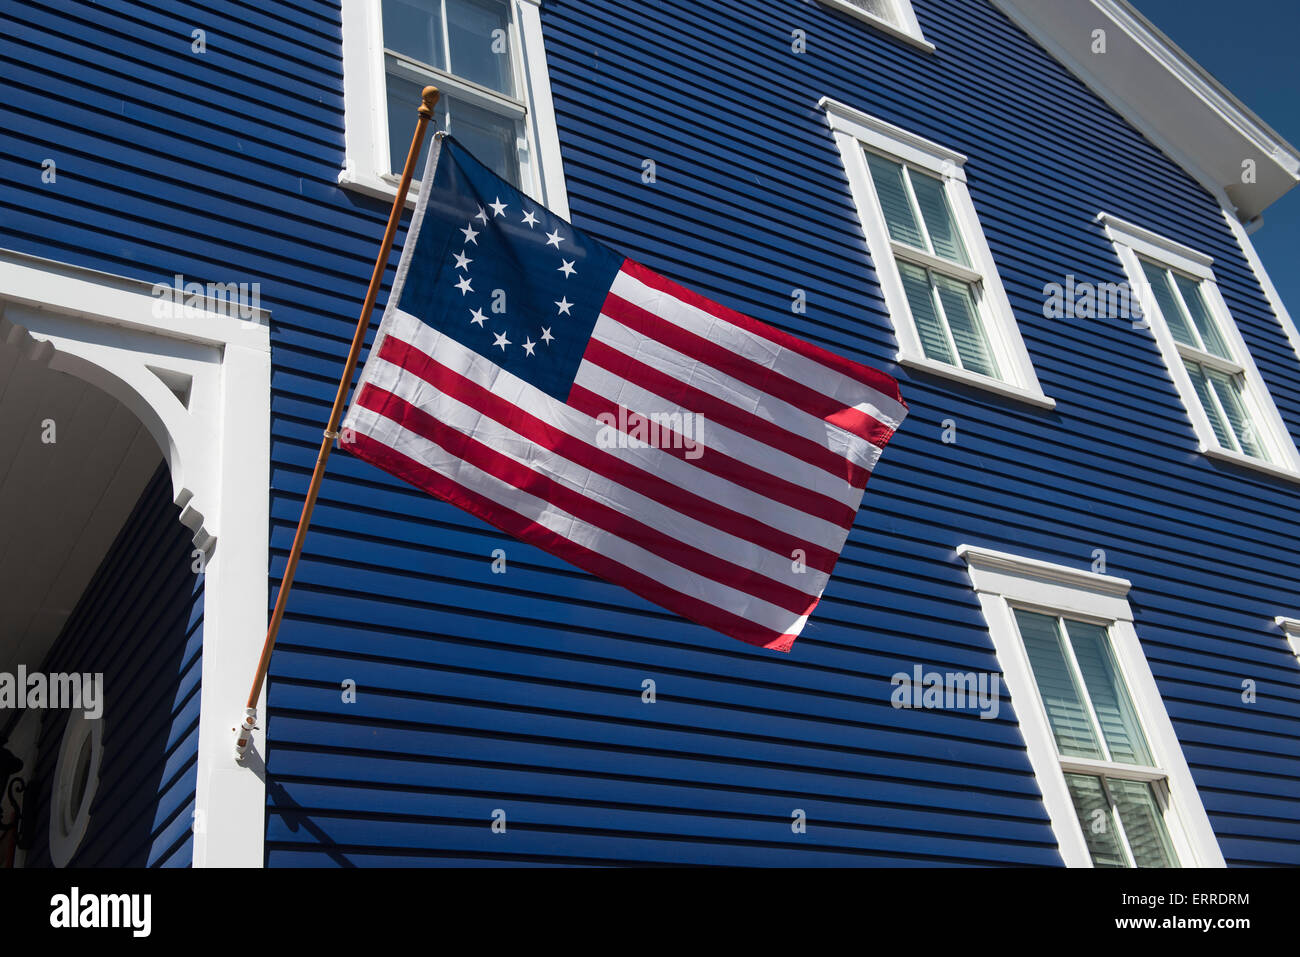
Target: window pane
pixel 939 222
pixel 1057 686
pixel 470 25
pixel 1168 303
pixel 916 282
pixel 492 138
pixel 1110 699
pixel 1207 402
pixel 1229 390
pixel 884 9
pixel 414 28
pixel 892 191
pixel 403 104
pixel 1204 322
pixel 1097 821
pixel 964 321
pixel 1144 825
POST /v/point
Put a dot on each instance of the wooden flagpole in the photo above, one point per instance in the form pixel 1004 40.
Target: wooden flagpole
pixel 429 99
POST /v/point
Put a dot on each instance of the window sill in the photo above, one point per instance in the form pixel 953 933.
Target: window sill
pixel 1237 458
pixel 1032 397
pixel 884 26
pixel 376 186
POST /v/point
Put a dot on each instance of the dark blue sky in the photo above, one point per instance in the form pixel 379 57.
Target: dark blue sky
pixel 1250 46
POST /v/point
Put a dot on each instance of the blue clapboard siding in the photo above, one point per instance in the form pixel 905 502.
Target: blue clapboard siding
pixel 140 623
pixel 522 691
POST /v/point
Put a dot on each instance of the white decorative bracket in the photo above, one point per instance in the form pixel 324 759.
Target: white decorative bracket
pixel 199 380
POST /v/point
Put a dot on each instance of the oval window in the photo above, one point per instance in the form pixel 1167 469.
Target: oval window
pixel 76 778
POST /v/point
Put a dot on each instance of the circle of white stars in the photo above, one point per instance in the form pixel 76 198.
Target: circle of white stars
pixel 465 284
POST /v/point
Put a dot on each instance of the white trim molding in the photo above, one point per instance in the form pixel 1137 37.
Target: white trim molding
pixel 1291 628
pixel 1133 244
pixel 1165 95
pixel 366 164
pixel 854 132
pixel 1004 582
pixel 1261 274
pixel 899 21
pixel 199 380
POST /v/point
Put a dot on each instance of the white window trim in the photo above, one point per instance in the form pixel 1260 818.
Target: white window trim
pixel 853 130
pixel 1132 241
pixel 1291 628
pixel 1003 581
pixel 366 140
pixel 908 29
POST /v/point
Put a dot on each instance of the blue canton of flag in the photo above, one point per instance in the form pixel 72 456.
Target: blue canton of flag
pixel 504 276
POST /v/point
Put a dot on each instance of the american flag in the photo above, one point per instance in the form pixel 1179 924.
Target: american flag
pixel 576 400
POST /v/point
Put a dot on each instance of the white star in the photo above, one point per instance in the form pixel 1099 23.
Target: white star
pixel 481 216
pixel 564 305
pixel 553 239
pixel 530 219
pixel 471 234
pixel 567 268
pixel 462 261
pixel 501 341
pixel 477 317
pixel 464 286
pixel 529 346
pixel 498 208
pixel 546 335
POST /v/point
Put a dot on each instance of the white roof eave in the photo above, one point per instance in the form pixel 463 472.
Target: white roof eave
pixel 1166 96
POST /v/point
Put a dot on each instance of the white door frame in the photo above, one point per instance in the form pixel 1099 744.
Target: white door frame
pixel 199 379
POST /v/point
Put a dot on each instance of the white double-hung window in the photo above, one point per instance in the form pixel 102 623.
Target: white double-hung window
pixel 1232 414
pixel 1112 773
pixel 487 60
pixel 951 314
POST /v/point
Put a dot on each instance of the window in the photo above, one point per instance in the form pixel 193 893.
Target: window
pixel 76 778
pixel 951 314
pixel 1112 773
pixel 487 60
pixel 894 17
pixel 1232 413
pixel 1093 719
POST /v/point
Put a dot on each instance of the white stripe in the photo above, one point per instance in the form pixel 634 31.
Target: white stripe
pixel 671 576
pixel 714 542
pixel 735 444
pixel 700 375
pixel 795 522
pixel 833 384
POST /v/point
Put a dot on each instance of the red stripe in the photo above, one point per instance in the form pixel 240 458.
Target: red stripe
pixel 763 378
pixel 525 529
pixel 687 397
pixel 592 512
pixel 731 469
pixel 868 376
pixel 747 527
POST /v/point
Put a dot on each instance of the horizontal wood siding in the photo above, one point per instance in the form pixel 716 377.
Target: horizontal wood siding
pixel 523 692
pixel 140 623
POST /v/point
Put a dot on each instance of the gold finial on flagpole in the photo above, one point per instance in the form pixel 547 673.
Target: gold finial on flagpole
pixel 428 101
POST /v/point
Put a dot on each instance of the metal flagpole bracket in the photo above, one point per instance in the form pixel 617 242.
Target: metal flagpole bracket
pixel 246 730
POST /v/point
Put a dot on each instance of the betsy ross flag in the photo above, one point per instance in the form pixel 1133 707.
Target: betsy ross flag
pixel 580 402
